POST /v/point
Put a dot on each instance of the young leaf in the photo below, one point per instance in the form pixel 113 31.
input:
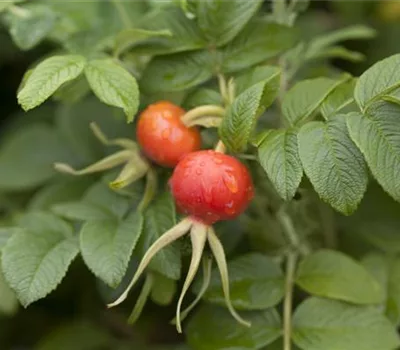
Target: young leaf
pixel 256 283
pixel 35 262
pixel 114 86
pixel 238 124
pixel 177 72
pixel 28 31
pixel 278 154
pixel 259 41
pixel 332 274
pixel 186 35
pixel 339 100
pixel 27 157
pixel 214 328
pixel 327 324
pixel 333 163
pixel 339 52
pixel 47 77
pixel 107 245
pixel 221 20
pixel 379 80
pixel 159 218
pixel 377 135
pixel 305 97
pixel 386 270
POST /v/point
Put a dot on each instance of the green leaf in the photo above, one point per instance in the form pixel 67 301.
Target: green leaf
pixel 305 97
pixel 237 126
pixel 98 203
pixel 332 274
pixel 379 80
pixel 132 36
pixel 324 42
pixel 256 283
pixel 202 96
pixel 47 77
pixel 253 76
pixel 8 300
pixel 6 233
pixel 339 100
pixel 73 91
pixel 107 246
pixel 214 328
pixel 339 52
pixel 221 20
pixel 377 135
pixel 27 157
pixel 186 35
pixel 386 270
pixel 177 72
pixel 58 192
pixel 278 154
pixel 163 290
pixel 36 260
pixel 160 217
pixel 331 325
pixel 259 41
pixel 113 85
pixel 29 30
pixel 333 163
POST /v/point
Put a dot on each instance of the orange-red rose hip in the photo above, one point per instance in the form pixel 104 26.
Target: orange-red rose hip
pixel 163 136
pixel 211 186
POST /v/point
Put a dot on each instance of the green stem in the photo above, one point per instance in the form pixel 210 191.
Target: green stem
pixel 122 13
pixel 142 299
pixel 288 302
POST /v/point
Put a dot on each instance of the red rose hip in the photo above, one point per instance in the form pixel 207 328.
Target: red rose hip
pixel 211 186
pixel 163 136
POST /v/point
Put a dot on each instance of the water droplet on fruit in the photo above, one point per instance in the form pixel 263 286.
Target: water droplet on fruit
pixel 202 163
pixel 199 171
pixel 208 196
pixel 167 115
pixel 165 133
pixel 230 182
pixel 217 160
pixel 229 209
pixel 198 200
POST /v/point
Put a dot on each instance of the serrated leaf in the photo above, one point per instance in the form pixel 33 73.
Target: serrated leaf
pixel 331 325
pixel 29 30
pixel 160 217
pixel 393 97
pixel 339 100
pixel 324 43
pixel 278 154
pixel 185 36
pixel 27 157
pixel 237 126
pixel 214 328
pixel 177 72
pixel 221 20
pixel 47 77
pixel 259 41
pixel 35 262
pixel 254 76
pixel 334 275
pixel 114 85
pixel 107 246
pixel 256 283
pixel 305 97
pixel 333 163
pixel 379 80
pixel 377 135
pixel 386 271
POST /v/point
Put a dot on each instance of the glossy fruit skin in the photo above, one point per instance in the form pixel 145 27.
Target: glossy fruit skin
pixel 210 186
pixel 162 135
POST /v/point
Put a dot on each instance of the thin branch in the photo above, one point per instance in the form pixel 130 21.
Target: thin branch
pixel 288 302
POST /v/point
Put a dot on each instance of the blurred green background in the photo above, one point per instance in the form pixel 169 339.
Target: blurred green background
pixel 74 316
